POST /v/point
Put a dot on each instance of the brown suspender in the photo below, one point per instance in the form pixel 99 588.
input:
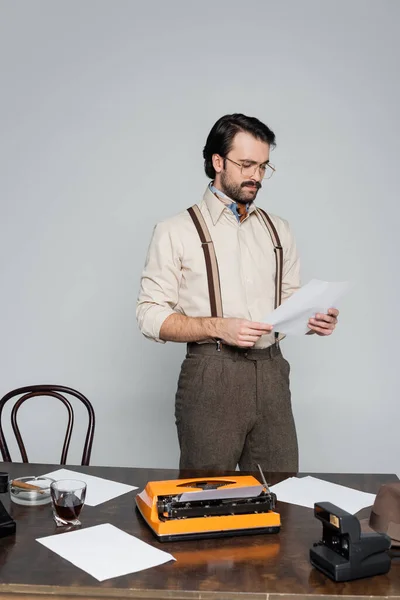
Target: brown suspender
pixel 214 286
pixel 278 254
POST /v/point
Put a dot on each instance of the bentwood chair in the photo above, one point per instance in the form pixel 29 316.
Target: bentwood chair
pixel 54 391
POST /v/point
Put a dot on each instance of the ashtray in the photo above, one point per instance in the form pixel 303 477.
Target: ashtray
pixel 29 496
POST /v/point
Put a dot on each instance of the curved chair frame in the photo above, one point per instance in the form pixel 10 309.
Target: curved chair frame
pixel 54 391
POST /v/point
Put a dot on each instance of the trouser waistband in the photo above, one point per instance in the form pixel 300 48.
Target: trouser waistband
pixel 234 352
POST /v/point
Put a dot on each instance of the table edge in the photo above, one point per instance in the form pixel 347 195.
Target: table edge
pixel 30 592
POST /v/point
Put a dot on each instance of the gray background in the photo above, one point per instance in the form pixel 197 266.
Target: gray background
pixel 105 108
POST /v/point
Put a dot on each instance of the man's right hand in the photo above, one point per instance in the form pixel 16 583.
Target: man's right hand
pixel 240 332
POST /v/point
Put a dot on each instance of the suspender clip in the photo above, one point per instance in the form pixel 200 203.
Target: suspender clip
pixel 218 345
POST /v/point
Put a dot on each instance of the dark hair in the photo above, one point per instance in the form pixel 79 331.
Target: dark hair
pixel 221 136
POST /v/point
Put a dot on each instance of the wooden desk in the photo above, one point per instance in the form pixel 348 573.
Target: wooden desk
pixel 269 567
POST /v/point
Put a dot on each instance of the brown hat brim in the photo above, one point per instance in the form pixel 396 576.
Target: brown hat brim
pixel 365 528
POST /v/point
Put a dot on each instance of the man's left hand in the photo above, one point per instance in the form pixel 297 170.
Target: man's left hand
pixel 324 324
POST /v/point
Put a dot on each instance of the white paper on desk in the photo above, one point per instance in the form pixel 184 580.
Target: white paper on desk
pixel 305 491
pixel 104 551
pixel 317 296
pixel 98 489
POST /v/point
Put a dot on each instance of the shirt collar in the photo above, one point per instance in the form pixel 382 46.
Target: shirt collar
pixel 216 205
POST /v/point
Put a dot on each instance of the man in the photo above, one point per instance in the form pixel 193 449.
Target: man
pixel 228 259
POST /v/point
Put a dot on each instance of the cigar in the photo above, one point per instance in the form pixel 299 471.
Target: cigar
pixel 27 486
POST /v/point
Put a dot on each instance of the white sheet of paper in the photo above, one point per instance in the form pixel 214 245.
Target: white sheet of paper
pixel 104 551
pixel 305 491
pixel 220 493
pixel 98 489
pixel 317 296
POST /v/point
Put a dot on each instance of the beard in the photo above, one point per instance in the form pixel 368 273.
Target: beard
pixel 243 193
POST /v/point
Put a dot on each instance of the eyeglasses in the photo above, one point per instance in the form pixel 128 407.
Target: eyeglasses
pixel 248 168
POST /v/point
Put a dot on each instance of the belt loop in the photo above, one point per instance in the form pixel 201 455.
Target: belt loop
pixel 277 341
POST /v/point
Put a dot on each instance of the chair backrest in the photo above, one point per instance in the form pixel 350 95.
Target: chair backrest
pixel 55 391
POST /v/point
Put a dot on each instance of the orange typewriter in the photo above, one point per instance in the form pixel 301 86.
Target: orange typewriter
pixel 184 509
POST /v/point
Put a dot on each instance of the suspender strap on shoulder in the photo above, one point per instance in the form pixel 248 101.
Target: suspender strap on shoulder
pixel 214 286
pixel 278 254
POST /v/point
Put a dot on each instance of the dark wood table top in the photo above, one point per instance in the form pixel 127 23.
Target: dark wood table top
pixel 271 567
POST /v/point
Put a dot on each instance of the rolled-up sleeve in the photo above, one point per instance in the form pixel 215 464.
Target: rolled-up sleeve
pixel 159 285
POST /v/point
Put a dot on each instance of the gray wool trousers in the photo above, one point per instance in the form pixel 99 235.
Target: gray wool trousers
pixel 233 407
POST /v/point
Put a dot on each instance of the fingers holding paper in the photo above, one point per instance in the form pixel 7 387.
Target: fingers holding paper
pixel 324 324
pixel 240 332
pixel 296 315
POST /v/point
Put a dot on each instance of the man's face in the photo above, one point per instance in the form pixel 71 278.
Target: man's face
pixel 241 185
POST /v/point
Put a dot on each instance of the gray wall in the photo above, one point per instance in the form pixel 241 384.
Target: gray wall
pixel 104 108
